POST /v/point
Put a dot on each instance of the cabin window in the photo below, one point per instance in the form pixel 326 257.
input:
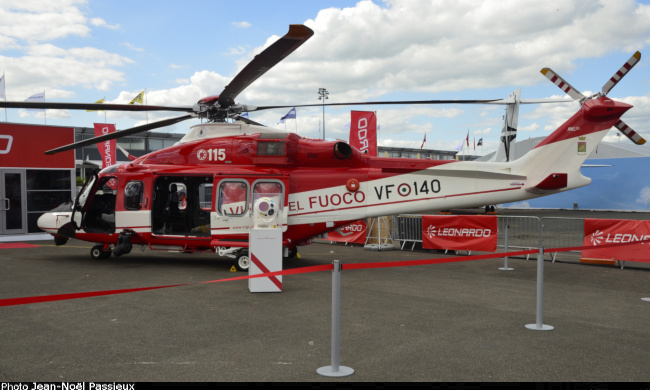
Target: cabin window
pixel 205 196
pixel 271 148
pixel 233 198
pixel 181 205
pixel 133 194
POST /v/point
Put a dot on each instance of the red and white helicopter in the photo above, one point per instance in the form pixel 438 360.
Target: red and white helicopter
pixel 317 186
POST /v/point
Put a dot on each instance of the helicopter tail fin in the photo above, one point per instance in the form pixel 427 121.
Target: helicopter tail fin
pixel 554 164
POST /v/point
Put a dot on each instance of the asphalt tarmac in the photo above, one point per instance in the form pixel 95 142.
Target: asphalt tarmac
pixel 462 321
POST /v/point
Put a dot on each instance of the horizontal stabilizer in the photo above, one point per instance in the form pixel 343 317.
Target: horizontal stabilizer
pixel 553 182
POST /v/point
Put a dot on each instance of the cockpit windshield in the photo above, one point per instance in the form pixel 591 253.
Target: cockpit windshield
pixel 85 191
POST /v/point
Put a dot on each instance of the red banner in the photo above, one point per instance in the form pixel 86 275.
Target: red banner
pixel 354 233
pixel 467 232
pixel 613 231
pixel 363 131
pixel 106 148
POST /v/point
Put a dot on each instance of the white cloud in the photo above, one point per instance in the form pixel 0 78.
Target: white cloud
pixel 236 51
pixel 531 127
pixel 99 22
pixel 644 196
pixel 50 67
pixel 29 26
pixel 132 47
pixel 241 24
pixel 39 21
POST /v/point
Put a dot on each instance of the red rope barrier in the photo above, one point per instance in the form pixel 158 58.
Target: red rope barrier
pixel 303 270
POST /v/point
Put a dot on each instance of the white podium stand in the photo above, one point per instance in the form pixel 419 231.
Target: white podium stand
pixel 265 245
pixel 265 249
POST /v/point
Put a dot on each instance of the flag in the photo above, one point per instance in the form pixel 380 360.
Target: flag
pixel 138 99
pixel 480 142
pixel 244 115
pixel 2 87
pixel 363 131
pixel 459 147
pixel 37 97
pixel 474 143
pixel 290 115
pixel 467 139
pixel 424 141
pixel 100 101
pixel 106 148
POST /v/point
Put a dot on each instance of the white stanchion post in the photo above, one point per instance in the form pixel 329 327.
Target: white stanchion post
pixel 538 325
pixel 336 370
pixel 505 260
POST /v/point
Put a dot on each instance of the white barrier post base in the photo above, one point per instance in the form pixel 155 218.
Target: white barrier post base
pixel 329 371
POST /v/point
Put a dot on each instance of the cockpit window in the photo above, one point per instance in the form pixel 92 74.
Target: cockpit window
pixel 133 193
pixel 271 148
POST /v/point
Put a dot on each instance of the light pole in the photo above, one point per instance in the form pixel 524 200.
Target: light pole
pixel 322 95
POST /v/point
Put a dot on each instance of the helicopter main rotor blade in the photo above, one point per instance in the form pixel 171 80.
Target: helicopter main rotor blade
pixel 248 121
pixel 120 134
pixel 621 72
pixel 90 106
pixel 271 56
pixel 483 101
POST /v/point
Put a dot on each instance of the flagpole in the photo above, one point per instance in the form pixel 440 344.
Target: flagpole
pixel 145 102
pixel 4 92
pixel 377 143
pixel 44 111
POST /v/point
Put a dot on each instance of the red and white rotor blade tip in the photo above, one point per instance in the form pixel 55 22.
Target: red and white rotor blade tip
pixel 621 72
pixel 562 84
pixel 629 133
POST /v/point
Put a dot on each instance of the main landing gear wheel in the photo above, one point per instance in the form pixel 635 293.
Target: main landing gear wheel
pixel 292 253
pixel 97 252
pixel 243 261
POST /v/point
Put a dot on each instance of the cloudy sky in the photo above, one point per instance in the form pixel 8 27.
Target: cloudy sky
pixel 85 50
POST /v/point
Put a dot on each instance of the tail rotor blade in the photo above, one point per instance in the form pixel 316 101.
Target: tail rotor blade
pixel 629 133
pixel 621 72
pixel 562 84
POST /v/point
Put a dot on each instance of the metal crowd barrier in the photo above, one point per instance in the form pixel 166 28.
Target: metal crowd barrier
pixel 560 232
pixel 407 229
pixel 522 232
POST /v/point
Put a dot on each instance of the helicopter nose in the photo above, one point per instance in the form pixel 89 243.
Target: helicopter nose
pixel 46 222
pixel 51 222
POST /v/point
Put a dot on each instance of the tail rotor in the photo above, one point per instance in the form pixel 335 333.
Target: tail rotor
pixel 575 94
